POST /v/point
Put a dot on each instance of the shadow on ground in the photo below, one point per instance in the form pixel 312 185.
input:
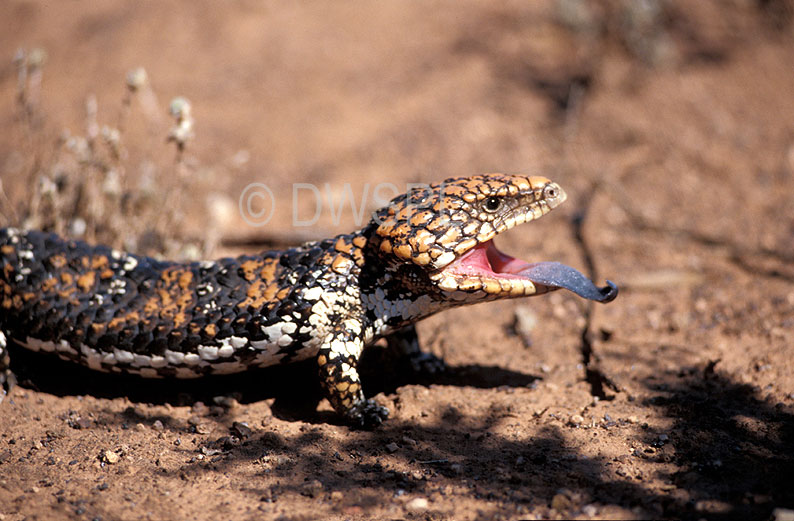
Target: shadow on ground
pixel 726 444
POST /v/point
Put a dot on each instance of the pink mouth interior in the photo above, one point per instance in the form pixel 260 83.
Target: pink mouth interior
pixel 486 260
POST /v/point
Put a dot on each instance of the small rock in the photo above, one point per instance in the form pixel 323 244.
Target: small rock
pixel 158 426
pixel 35 489
pixel 663 437
pixel 560 502
pixel 312 488
pixel 392 447
pixel 242 430
pixel 228 442
pixel 633 419
pixel 140 427
pixel 576 419
pixel 418 504
pixel 206 451
pixel 110 457
pixel 409 441
pixel 199 409
pixel 337 496
pixel 227 402
pixel 456 468
pixel 84 423
pixel 589 510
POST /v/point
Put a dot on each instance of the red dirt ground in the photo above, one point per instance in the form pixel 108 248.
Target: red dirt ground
pixel 672 132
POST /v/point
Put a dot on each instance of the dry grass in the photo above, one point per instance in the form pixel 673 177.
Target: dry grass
pixel 84 184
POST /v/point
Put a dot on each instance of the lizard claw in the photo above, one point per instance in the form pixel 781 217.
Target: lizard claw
pixel 368 414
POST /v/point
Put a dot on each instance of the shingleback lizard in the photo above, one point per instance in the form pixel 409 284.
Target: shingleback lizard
pixel 429 250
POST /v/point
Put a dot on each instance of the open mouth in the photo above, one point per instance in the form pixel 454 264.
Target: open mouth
pixel 485 267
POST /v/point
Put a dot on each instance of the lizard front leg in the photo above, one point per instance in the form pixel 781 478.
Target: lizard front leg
pixel 338 360
pixel 7 378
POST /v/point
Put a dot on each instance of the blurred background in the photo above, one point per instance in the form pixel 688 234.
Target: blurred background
pixel 670 123
pixel 677 103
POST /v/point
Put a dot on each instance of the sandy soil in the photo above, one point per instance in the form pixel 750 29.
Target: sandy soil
pixel 673 133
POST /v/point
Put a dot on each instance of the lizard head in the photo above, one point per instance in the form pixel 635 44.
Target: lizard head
pixel 448 229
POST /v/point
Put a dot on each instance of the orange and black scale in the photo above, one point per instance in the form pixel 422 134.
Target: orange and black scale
pixel 120 312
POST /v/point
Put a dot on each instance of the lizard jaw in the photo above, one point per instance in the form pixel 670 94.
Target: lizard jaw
pixel 486 268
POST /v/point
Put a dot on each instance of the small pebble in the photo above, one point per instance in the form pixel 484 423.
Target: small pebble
pixel 227 402
pixel 663 437
pixel 242 430
pixel 337 496
pixel 84 423
pixel 312 488
pixel 140 427
pixel 110 457
pixel 560 502
pixel 199 408
pixel 392 447
pixel 589 510
pixel 418 504
pixel 576 419
pixel 158 426
pixel 409 441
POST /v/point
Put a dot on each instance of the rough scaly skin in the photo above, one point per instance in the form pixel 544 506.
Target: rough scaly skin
pixel 119 312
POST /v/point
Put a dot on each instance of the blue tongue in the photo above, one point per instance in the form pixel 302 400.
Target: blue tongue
pixel 559 275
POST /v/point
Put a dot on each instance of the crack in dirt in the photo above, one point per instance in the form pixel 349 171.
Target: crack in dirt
pixel 593 374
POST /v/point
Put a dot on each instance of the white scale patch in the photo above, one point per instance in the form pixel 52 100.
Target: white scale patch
pixel 238 342
pixel 129 263
pixel 141 361
pixel 174 357
pixel 123 357
pixel 208 352
pixel 313 293
pixel 118 286
pixel 225 351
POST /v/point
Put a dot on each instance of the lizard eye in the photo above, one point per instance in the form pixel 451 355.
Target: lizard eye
pixel 492 204
pixel 550 192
